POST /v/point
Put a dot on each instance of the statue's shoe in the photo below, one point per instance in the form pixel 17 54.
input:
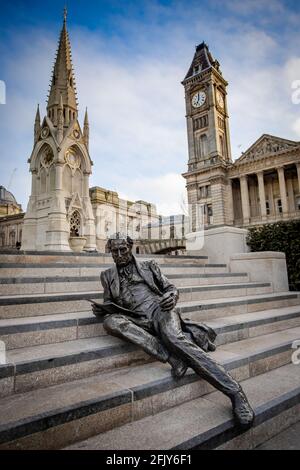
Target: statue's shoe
pixel 179 368
pixel 242 411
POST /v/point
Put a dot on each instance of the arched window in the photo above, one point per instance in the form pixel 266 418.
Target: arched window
pixel 204 145
pixel 75 224
pixel 222 145
pixel 198 147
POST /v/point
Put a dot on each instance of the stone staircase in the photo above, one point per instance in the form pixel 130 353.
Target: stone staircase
pixel 67 384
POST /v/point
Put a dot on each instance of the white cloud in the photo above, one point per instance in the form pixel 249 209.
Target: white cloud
pixel 167 191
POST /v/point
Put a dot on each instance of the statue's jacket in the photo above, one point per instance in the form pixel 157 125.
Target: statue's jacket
pixel 150 271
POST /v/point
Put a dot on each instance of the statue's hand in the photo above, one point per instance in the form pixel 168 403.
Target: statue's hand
pixel 168 301
pixel 97 310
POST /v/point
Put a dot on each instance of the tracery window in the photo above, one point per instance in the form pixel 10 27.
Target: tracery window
pixel 75 224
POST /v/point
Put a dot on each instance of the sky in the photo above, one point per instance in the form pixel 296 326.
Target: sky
pixel 129 59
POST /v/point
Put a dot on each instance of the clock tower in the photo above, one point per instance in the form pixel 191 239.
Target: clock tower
pixel 206 111
pixel 209 153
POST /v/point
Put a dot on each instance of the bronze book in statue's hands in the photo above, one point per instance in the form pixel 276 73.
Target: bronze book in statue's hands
pixel 108 308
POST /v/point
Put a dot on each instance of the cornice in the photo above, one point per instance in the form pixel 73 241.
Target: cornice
pixel 265 163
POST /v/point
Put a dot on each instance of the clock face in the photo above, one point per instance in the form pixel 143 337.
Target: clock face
pixel 220 100
pixel 198 99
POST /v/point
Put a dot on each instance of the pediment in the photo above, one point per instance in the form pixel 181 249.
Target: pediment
pixel 74 131
pixel 266 145
pixel 47 129
pixel 75 203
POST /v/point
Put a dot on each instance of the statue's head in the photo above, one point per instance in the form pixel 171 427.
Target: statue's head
pixel 120 247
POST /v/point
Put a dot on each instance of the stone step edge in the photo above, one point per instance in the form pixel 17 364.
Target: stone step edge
pixel 42 421
pixel 232 301
pixel 90 254
pixel 60 297
pixel 102 265
pixel 227 430
pixel 65 279
pixel 13 369
pixel 40 323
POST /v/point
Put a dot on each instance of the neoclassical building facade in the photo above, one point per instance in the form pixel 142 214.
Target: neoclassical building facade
pixel 261 186
pixel 264 183
pixel 11 219
pixel 114 214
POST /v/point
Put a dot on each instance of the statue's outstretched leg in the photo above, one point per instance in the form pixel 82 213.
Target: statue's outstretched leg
pixel 169 329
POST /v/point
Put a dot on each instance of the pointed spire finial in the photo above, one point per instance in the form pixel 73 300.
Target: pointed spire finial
pixel 86 119
pixel 86 129
pixel 37 124
pixel 63 79
pixel 37 116
pixel 65 14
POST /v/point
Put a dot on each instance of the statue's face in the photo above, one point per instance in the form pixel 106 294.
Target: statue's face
pixel 121 252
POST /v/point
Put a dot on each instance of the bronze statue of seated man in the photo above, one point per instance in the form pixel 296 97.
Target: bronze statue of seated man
pixel 139 306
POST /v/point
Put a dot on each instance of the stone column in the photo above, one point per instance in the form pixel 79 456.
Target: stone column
pixel 192 206
pixel 291 196
pixel 29 231
pixel 212 133
pixel 86 185
pixel 262 196
pixel 245 199
pixel 58 231
pixel 282 187
pixel 59 177
pixel 298 172
pixel 271 197
pixel 34 183
pixel 190 132
pixel 89 229
pixel 230 203
pixel 218 200
pixel 227 133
